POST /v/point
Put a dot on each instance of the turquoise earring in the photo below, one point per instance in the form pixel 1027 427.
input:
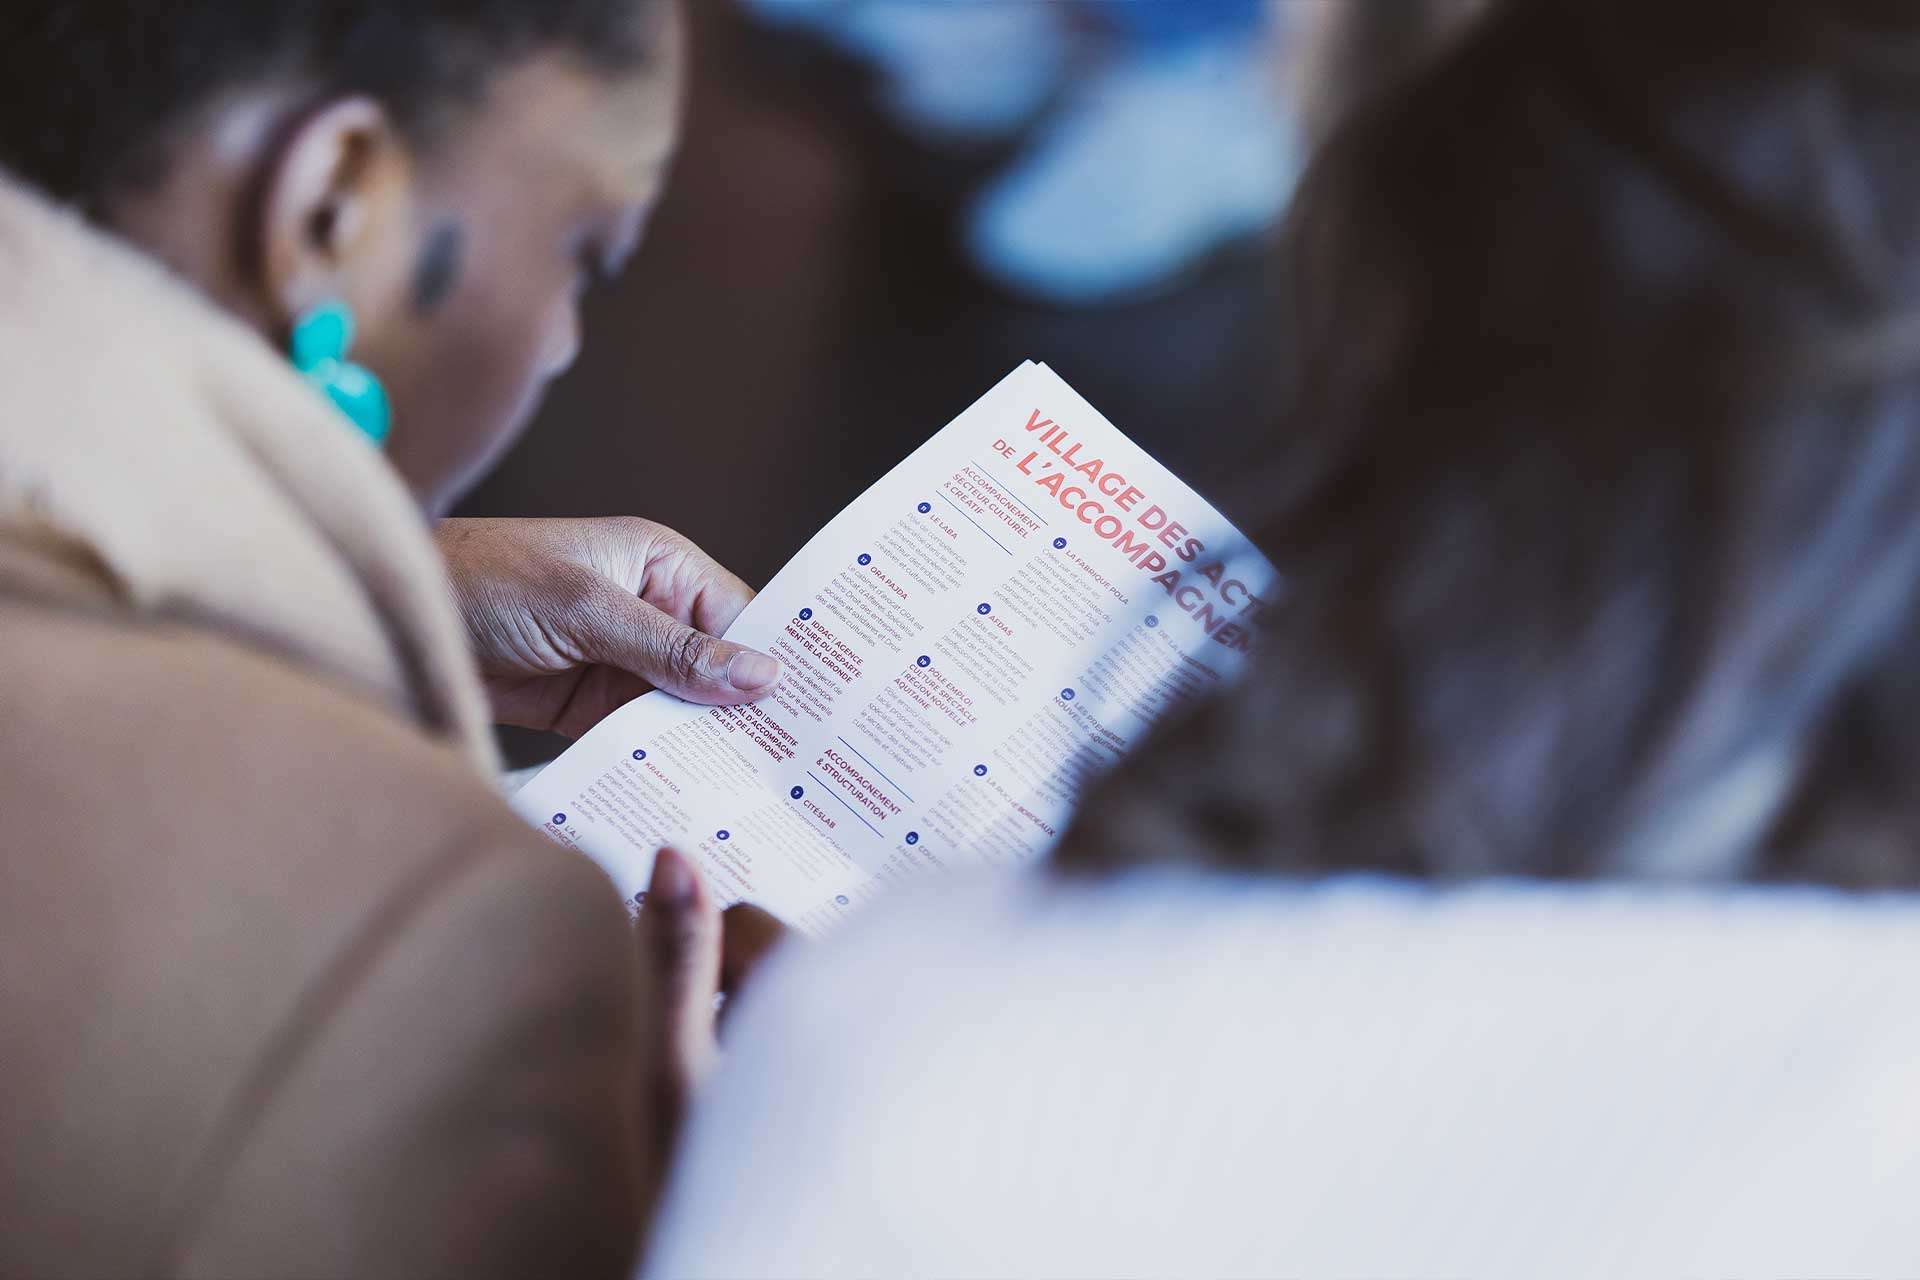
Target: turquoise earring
pixel 321 340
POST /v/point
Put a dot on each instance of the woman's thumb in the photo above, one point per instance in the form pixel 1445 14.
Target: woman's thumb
pixel 668 654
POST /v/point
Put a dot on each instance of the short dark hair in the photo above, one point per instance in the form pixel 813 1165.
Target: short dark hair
pixel 95 88
pixel 1599 494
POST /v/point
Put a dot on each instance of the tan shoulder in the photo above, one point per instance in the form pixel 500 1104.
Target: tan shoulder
pixel 255 865
pixel 182 761
pixel 211 736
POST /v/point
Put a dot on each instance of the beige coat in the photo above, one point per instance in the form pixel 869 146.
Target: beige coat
pixel 284 988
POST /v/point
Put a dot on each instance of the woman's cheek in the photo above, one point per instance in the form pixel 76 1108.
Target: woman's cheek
pixel 541 354
pixel 486 394
pixel 563 340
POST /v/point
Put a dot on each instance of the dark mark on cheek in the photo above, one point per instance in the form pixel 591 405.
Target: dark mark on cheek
pixel 438 270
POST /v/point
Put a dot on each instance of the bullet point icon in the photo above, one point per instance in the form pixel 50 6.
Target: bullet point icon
pixel 1152 621
pixel 842 899
pixel 797 792
pixel 559 819
pixel 985 609
pixel 1059 544
pixel 806 615
pixel 865 558
pixel 639 755
pixel 913 837
pixel 924 660
pixel 979 771
pixel 723 835
pixel 1068 695
pixel 925 507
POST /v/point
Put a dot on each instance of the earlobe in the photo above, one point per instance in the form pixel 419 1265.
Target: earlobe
pixel 334 215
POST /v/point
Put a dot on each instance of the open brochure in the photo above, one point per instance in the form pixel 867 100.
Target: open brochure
pixel 995 622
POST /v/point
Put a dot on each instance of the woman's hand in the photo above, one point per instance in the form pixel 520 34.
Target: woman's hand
pixel 571 619
pixel 689 954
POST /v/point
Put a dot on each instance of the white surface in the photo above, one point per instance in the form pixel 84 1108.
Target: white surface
pixel 1201 1079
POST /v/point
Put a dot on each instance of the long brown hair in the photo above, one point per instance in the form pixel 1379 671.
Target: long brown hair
pixel 1599 496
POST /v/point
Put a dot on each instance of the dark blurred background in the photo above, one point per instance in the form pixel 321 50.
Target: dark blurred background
pixel 882 206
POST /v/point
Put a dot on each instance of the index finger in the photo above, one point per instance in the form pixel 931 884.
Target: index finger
pixel 747 934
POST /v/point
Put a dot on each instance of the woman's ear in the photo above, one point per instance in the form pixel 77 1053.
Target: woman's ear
pixel 335 215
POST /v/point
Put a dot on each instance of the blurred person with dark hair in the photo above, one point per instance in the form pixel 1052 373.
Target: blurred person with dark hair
pixel 287 990
pixel 1599 511
pixel 1349 53
pixel 1599 496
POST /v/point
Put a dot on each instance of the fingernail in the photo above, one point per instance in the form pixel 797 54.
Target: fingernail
pixel 751 671
pixel 673 882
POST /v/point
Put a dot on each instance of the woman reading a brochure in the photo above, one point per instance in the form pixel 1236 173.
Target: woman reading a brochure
pixel 1598 521
pixel 289 991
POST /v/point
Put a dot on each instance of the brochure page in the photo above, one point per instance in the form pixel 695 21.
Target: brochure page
pixel 996 621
